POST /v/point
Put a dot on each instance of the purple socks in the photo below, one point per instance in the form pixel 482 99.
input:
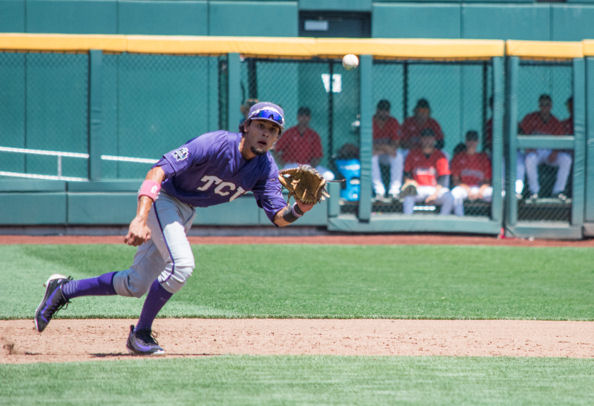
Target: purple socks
pixel 155 300
pixel 99 286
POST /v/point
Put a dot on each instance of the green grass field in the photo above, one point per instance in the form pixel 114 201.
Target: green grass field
pixel 444 282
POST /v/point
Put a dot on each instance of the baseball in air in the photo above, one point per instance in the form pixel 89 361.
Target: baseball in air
pixel 350 61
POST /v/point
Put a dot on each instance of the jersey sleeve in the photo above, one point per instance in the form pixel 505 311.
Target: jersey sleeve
pixel 443 168
pixel 268 194
pixel 191 153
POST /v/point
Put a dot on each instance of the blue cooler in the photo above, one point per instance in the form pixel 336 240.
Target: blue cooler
pixel 350 169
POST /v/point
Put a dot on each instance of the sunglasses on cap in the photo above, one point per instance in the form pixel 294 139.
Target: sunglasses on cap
pixel 268 114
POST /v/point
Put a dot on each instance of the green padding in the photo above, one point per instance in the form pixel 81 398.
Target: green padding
pixel 414 223
pixel 163 17
pixel 31 185
pixel 12 16
pixel 506 21
pixel 72 17
pixel 544 141
pixel 572 23
pixel 351 5
pixel 124 185
pixel 101 208
pixel 544 230
pixel 242 211
pixel 237 18
pixel 404 20
pixel 32 208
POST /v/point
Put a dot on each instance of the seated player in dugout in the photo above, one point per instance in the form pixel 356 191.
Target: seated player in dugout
pixel 301 145
pixel 386 133
pixel 544 122
pixel 213 168
pixel 413 126
pixel 426 177
pixel 471 174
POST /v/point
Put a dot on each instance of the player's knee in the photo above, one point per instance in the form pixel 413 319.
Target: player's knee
pixel 130 283
pixel 174 281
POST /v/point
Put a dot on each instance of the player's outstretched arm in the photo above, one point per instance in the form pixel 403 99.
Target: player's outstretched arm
pixel 291 213
pixel 138 231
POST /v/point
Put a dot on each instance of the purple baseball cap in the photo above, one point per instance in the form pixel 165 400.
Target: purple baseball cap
pixel 269 112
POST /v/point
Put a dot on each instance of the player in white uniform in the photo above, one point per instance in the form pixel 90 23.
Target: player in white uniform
pixel 211 169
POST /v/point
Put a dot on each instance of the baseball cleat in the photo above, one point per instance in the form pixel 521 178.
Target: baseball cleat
pixel 142 342
pixel 53 301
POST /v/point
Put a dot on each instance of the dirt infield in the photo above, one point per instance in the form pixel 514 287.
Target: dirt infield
pixel 104 339
pixel 87 340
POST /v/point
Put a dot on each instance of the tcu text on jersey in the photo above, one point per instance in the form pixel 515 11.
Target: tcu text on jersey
pixel 221 188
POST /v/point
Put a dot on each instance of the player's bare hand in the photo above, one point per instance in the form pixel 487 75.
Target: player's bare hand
pixel 138 232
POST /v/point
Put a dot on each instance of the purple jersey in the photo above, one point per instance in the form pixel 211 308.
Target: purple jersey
pixel 210 169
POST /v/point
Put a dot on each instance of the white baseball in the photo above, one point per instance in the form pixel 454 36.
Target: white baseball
pixel 350 61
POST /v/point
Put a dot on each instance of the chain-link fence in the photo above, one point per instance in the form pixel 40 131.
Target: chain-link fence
pixel 44 107
pixel 430 127
pixel 149 105
pixel 545 107
pixel 321 103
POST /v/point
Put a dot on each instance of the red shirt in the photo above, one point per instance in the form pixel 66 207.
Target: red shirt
pixel 472 170
pixel 426 169
pixel 567 125
pixel 389 131
pixel 299 148
pixel 411 131
pixel 533 124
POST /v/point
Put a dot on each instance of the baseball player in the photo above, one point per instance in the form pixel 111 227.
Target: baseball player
pixel 214 168
pixel 471 174
pixel 544 122
pixel 386 138
pixel 426 174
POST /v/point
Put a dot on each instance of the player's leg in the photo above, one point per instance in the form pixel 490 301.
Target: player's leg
pixel 520 172
pixel 446 201
pixel 169 226
pixel 532 160
pixel 459 194
pixel 408 202
pixel 376 177
pixel 396 168
pixel 563 162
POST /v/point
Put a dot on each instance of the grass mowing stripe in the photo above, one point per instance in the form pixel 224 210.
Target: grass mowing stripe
pixel 249 380
pixel 444 282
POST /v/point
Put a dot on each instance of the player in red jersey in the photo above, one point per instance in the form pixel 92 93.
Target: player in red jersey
pixel 426 174
pixel 414 125
pixel 386 139
pixel 544 122
pixel 301 145
pixel 471 174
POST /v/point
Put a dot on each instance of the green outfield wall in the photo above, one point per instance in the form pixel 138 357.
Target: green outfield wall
pixel 85 117
pixel 526 20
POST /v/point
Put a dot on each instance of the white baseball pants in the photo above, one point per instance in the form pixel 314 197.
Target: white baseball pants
pixel 167 255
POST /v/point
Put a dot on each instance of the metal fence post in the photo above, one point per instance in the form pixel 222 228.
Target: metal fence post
pixel 365 146
pixel 497 157
pixel 95 114
pixel 234 102
pixel 511 136
pixel 579 151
